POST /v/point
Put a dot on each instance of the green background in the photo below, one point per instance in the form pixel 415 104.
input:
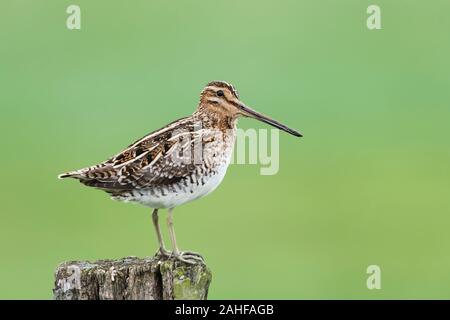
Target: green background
pixel 368 184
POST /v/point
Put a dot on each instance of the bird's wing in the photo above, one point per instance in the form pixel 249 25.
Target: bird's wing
pixel 161 157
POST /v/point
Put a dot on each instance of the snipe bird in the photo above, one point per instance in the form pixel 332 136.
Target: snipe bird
pixel 181 162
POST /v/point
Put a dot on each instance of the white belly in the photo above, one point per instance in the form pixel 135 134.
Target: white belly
pixel 181 196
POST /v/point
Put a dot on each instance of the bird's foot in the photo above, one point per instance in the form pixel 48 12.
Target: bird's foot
pixel 163 252
pixel 189 257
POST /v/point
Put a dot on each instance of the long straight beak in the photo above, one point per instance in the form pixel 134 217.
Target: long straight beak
pixel 249 112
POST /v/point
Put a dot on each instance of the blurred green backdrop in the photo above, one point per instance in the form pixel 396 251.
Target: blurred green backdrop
pixel 368 184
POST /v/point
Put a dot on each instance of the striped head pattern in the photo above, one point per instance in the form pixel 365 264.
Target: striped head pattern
pixel 221 99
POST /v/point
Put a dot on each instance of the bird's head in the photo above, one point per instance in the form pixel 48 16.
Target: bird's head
pixel 222 99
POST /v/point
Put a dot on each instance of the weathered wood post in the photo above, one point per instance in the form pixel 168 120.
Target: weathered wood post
pixel 131 278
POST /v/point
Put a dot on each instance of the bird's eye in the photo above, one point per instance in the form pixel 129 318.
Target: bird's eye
pixel 220 93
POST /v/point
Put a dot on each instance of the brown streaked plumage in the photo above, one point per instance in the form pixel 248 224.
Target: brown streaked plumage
pixel 183 161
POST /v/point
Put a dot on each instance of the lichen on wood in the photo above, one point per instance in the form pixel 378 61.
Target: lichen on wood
pixel 131 278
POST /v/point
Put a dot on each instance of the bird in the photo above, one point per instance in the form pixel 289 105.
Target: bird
pixel 181 162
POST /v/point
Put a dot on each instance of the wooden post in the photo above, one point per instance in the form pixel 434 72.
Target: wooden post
pixel 131 278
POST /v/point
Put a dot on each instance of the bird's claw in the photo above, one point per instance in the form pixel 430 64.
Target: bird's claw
pixel 163 252
pixel 183 256
pixel 189 257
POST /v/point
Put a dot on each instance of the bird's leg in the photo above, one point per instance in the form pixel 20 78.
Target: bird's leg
pixel 162 250
pixel 188 257
pixel 173 239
